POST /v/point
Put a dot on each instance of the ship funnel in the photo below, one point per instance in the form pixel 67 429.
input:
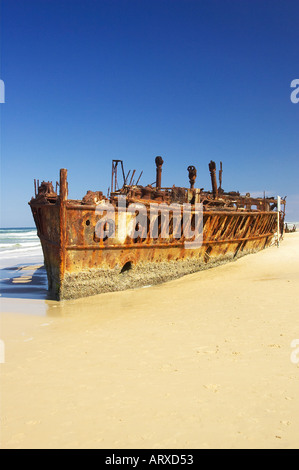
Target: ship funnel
pixel 220 177
pixel 159 162
pixel 192 175
pixel 212 168
pixel 63 187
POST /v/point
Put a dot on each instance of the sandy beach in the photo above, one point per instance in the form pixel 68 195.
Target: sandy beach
pixel 204 361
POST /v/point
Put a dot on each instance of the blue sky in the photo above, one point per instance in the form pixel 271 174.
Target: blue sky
pixel 87 81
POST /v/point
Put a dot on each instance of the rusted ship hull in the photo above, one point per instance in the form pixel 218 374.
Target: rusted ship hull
pixel 79 263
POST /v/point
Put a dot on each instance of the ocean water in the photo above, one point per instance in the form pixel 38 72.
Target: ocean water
pixel 22 273
pixel 22 239
pixel 18 244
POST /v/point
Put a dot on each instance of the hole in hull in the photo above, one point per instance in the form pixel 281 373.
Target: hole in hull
pixel 126 267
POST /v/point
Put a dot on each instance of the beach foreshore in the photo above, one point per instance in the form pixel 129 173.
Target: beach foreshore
pixel 209 360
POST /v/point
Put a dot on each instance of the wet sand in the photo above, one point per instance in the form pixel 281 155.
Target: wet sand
pixel 199 362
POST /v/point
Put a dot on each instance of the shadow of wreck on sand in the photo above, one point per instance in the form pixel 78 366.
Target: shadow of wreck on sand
pixel 25 281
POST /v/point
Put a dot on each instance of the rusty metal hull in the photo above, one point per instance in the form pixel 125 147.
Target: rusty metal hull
pixel 82 261
pixel 78 264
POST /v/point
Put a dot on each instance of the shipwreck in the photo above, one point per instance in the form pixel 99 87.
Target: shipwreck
pixel 139 235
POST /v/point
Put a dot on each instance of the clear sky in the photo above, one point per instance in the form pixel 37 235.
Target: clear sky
pixel 87 81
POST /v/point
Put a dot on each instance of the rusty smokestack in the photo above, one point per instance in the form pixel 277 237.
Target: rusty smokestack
pixel 220 176
pixel 63 184
pixel 159 162
pixel 192 175
pixel 212 168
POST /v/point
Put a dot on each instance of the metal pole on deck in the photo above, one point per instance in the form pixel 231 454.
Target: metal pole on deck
pixel 278 219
